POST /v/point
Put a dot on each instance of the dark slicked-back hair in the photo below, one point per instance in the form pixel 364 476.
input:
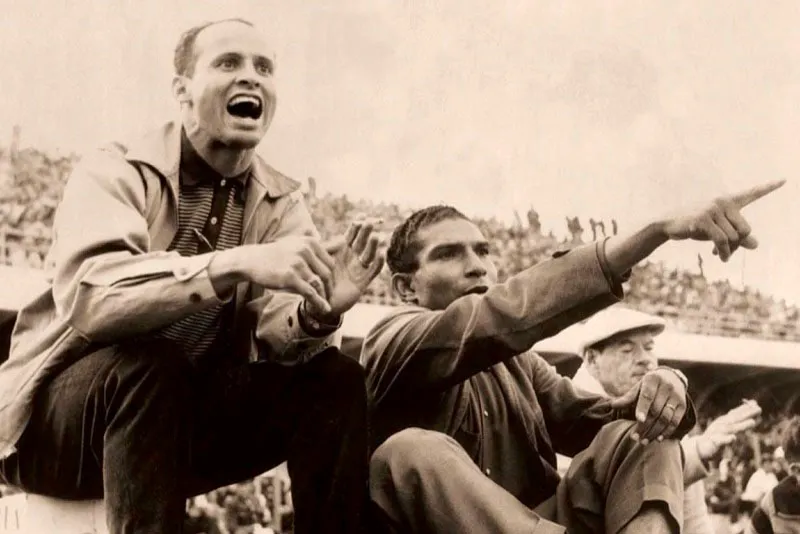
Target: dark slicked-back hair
pixel 184 59
pixel 404 247
pixel 791 439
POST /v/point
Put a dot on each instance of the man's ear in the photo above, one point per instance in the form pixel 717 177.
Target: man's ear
pixel 181 90
pixel 403 285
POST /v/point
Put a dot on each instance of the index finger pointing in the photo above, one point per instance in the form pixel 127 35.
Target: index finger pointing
pixel 754 193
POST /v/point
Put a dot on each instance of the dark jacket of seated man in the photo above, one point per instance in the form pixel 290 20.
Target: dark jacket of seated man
pixel 466 368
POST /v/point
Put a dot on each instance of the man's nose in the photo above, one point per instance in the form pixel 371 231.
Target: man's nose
pixel 648 360
pixel 248 77
pixel 475 266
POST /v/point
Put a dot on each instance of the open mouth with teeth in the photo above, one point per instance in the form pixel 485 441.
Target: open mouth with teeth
pixel 245 107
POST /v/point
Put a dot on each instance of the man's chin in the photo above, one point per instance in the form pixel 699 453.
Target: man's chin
pixel 243 140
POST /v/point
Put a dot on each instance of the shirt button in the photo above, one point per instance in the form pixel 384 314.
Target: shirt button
pixel 213 220
pixel 488 471
pixel 486 413
pixel 223 182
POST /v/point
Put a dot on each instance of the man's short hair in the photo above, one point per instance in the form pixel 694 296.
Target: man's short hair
pixel 401 256
pixel 791 440
pixel 185 58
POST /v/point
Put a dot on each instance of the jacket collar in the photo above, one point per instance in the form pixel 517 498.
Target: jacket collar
pixel 161 149
pixel 585 381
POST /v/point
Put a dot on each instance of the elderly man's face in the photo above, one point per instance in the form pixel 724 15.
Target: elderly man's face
pixel 623 361
pixel 231 93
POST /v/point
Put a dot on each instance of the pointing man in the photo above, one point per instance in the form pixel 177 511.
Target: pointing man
pixel 468 419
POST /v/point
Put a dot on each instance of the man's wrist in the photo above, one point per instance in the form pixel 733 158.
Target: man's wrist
pixel 676 372
pixel 622 253
pixel 227 269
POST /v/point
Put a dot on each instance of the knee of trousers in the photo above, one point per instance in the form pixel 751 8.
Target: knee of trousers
pixel 151 368
pixel 413 455
pixel 619 435
pixel 658 462
pixel 342 373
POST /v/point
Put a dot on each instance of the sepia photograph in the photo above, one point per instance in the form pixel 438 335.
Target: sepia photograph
pixel 383 267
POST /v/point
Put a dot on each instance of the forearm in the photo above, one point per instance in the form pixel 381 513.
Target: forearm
pixel 122 296
pixel 437 349
pixel 228 269
pixel 625 252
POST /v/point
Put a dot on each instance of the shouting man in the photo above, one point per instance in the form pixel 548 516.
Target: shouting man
pixel 188 340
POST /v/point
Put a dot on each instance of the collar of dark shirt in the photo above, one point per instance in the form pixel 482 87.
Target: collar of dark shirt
pixel 194 170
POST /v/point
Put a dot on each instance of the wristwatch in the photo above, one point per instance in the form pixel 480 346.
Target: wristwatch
pixel 314 327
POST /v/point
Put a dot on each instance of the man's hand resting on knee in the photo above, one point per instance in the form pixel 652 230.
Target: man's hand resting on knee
pixel 660 404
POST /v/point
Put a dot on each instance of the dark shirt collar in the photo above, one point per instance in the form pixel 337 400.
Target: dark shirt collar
pixel 195 170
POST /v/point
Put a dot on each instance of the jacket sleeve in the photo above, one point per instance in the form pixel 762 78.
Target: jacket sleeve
pixel 694 470
pixel 695 512
pixel 573 416
pixel 106 281
pixel 280 333
pixel 435 350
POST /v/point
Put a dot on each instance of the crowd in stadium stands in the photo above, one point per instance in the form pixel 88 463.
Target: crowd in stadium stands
pixel 31 183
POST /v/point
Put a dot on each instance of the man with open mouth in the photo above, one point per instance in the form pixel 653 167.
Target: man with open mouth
pixel 189 339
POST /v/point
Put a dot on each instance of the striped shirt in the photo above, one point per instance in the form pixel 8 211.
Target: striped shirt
pixel 210 217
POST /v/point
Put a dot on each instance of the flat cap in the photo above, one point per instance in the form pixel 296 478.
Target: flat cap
pixel 615 320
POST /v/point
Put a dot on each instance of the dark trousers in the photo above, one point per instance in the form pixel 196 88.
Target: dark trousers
pixel 424 481
pixel 142 428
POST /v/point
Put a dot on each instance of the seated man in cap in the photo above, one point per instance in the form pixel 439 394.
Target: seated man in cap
pixel 467 419
pixel 617 347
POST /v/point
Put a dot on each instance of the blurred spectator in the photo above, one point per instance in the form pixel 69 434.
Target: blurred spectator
pixel 201 518
pixel 762 481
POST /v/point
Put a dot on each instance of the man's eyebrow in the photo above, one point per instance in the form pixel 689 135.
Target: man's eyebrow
pixel 448 246
pixel 268 59
pixel 452 245
pixel 227 55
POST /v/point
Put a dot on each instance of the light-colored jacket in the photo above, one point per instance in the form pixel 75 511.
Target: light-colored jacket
pixel 695 512
pixel 113 279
